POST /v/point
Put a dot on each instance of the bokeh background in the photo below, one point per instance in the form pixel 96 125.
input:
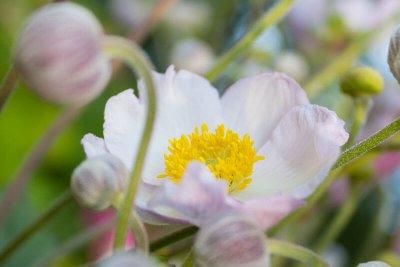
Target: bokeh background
pixel 192 35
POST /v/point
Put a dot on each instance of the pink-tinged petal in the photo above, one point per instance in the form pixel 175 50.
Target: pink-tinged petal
pixel 93 145
pixel 198 198
pixel 338 191
pixel 101 246
pixel 185 101
pixel 267 211
pixel 123 124
pixel 302 149
pixel 385 164
pixel 254 105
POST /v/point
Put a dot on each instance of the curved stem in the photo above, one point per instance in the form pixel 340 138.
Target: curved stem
pixel 141 238
pixel 8 85
pixel 131 54
pixel 172 238
pixel 270 18
pixel 340 220
pixel 295 252
pixel 18 184
pixel 75 242
pixel 36 225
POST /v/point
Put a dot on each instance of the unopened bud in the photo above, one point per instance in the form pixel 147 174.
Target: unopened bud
pixel 362 81
pixel 127 258
pixel 394 55
pixel 373 264
pixel 59 54
pixel 231 241
pixel 99 182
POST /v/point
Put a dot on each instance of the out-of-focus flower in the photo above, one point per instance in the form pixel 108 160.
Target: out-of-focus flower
pixel 231 241
pixel 127 258
pixel 361 81
pixel 59 54
pixel 100 181
pixel 130 13
pixel 373 264
pixel 394 55
pixel 257 150
pixel 188 16
pixel 192 55
pixel 101 246
pixel 335 256
pixel 338 191
pixel 293 64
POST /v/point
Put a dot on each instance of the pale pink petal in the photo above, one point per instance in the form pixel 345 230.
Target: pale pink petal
pixel 123 124
pixel 301 151
pixel 198 198
pixel 267 211
pixel 93 145
pixel 254 105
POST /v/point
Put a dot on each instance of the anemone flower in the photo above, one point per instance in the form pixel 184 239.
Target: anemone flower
pixel 258 150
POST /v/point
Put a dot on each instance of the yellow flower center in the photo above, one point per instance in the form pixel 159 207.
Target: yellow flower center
pixel 227 155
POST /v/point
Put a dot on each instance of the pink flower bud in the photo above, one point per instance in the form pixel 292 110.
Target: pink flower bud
pixel 231 241
pixel 99 182
pixel 59 54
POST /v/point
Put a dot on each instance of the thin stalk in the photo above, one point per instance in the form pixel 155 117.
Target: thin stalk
pixel 141 238
pixel 74 243
pixel 131 54
pixel 8 85
pixel 295 252
pixel 189 260
pixel 18 184
pixel 172 238
pixel 270 18
pixel 36 225
pixel 340 220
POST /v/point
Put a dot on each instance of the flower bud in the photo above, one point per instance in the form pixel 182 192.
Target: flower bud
pixel 99 182
pixel 59 54
pixel 394 55
pixel 231 241
pixel 127 258
pixel 361 81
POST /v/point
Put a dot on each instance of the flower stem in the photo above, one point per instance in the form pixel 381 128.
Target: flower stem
pixel 141 238
pixel 8 85
pixel 189 259
pixel 270 18
pixel 18 184
pixel 131 54
pixel 295 252
pixel 36 225
pixel 172 238
pixel 340 220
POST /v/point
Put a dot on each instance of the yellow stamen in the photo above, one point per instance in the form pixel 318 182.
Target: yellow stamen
pixel 227 155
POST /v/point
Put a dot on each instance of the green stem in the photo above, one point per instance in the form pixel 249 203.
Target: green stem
pixel 189 260
pixel 295 252
pixel 141 238
pixel 270 18
pixel 8 85
pixel 360 112
pixel 337 67
pixel 172 238
pixel 74 243
pixel 340 220
pixel 131 54
pixel 36 225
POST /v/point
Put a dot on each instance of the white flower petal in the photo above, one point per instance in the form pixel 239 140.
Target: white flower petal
pixel 302 149
pixel 267 211
pixel 254 105
pixel 123 124
pixel 185 101
pixel 198 198
pixel 93 145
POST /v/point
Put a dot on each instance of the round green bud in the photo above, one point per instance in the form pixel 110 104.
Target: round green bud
pixel 361 81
